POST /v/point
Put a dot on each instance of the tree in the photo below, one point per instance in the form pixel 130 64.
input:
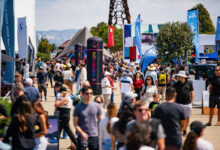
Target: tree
pixel 53 47
pixel 173 41
pixel 101 30
pixel 44 46
pixel 205 23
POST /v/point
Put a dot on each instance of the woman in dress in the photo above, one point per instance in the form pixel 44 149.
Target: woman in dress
pixel 148 90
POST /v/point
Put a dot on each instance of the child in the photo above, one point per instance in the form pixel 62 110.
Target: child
pixel 154 103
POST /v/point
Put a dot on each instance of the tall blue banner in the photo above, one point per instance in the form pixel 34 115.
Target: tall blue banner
pixel 217 38
pixel 8 39
pixel 138 34
pixel 192 21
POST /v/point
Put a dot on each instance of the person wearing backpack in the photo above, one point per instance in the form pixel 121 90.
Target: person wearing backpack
pixel 162 82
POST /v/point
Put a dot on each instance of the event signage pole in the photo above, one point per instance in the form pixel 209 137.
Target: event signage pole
pixel 94 63
pixel 192 21
pixel 0 47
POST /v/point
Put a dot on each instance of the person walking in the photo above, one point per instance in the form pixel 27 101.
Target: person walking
pixel 194 139
pixel 106 89
pixel 162 82
pixel 83 73
pixel 105 126
pixel 41 125
pixel 138 84
pixel 31 92
pixel 21 128
pixel 214 99
pixel 126 83
pixel 172 117
pixel 67 76
pixel 185 96
pixel 148 90
pixel 63 105
pixel 87 115
pixel 42 82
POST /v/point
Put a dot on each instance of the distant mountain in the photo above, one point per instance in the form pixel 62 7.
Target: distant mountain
pixel 56 36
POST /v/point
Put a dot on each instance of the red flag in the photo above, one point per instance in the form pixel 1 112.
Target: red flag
pixel 111 42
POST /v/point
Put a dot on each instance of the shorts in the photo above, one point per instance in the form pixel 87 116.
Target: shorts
pixel 213 101
pixel 187 110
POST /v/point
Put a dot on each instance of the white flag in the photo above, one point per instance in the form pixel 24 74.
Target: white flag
pixel 22 37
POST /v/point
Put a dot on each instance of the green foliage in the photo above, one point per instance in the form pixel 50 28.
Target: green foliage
pixel 53 47
pixel 43 56
pixel 173 41
pixel 7 106
pixel 44 46
pixel 205 23
pixel 101 30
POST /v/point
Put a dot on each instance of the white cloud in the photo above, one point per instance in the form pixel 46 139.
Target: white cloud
pixel 64 14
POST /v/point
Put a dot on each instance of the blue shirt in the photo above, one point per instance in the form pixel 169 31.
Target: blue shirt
pixel 32 93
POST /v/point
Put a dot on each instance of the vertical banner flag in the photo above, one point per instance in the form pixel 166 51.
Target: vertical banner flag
pixel 217 38
pixel 111 42
pixel 9 39
pixel 22 37
pixel 192 21
pixel 138 34
pixel 31 55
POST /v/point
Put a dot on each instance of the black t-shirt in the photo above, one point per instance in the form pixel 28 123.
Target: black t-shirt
pixel 42 77
pixel 152 106
pixel 183 92
pixel 170 115
pixel 215 86
pixel 58 78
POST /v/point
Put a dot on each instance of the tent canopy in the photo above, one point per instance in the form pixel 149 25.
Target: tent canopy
pixel 148 57
pixel 6 58
pixel 212 56
pixel 81 37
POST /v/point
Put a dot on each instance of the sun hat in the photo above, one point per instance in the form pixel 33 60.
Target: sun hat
pixel 107 73
pixel 196 126
pixel 182 74
pixel 129 96
pixel 17 74
pixel 151 67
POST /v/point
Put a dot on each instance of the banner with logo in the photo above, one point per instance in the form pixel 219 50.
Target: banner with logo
pixel 217 38
pixel 22 37
pixel 192 21
pixel 9 39
pixel 138 34
pixel 31 55
pixel 111 41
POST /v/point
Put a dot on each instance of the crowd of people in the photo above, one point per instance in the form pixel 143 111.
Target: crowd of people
pixel 153 113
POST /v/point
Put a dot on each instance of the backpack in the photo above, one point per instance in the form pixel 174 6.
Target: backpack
pixel 162 78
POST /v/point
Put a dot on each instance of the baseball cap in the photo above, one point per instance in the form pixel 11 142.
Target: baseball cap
pixel 129 96
pixel 107 73
pixel 196 126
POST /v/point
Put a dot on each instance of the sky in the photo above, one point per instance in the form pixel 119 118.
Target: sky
pixel 76 14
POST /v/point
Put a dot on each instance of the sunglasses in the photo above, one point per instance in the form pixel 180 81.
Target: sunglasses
pixel 217 70
pixel 99 102
pixel 89 93
pixel 148 79
pixel 141 110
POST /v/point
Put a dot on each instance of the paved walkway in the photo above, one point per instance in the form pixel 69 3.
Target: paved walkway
pixel 212 133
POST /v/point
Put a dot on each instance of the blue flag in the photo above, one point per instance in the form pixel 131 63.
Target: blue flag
pixel 138 34
pixel 8 39
pixel 217 38
pixel 192 21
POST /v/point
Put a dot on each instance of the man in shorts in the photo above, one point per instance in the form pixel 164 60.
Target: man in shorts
pixel 185 96
pixel 214 99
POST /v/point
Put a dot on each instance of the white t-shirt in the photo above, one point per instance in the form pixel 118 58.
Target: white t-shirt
pixel 69 104
pixel 126 83
pixel 103 133
pixel 57 66
pixel 106 90
pixel 67 75
pixel 204 145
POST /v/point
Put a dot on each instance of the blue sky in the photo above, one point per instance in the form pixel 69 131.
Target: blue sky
pixel 76 14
